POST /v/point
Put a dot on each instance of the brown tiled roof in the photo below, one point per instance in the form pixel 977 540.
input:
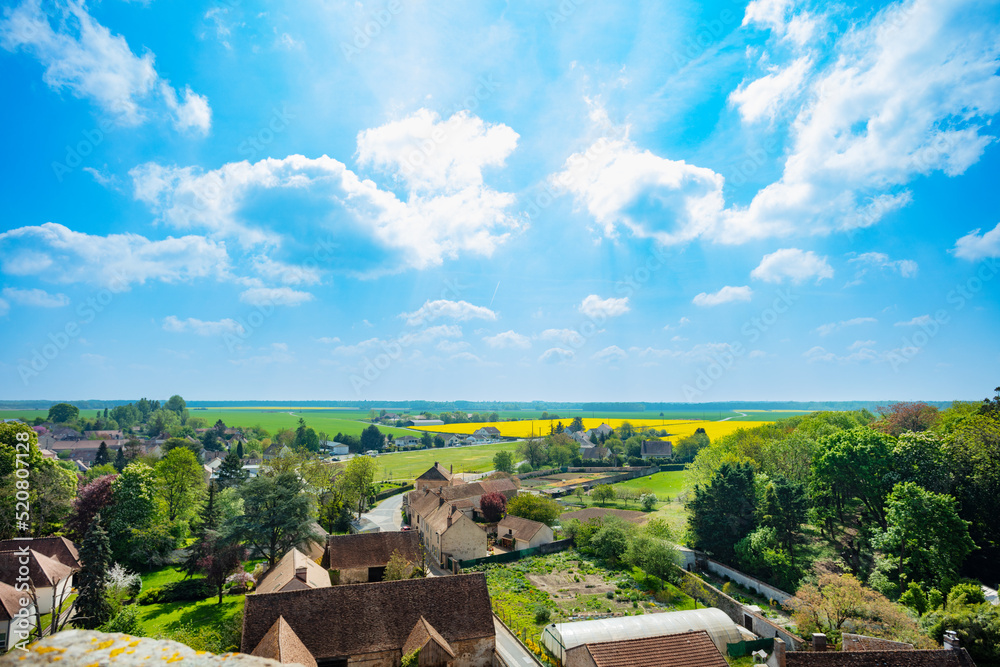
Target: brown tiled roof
pixel 438 519
pixel 369 549
pixel 57 548
pixel 921 658
pixel 44 571
pixel 424 632
pixel 590 453
pixel 282 644
pixel 425 503
pixel 523 529
pixel 355 619
pixel 436 472
pixel 685 649
pixel 853 642
pixel 601 512
pixel 10 601
pixel 282 577
pixel 475 489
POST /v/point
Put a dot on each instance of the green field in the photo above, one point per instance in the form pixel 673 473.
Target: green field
pixel 409 465
pixel 665 485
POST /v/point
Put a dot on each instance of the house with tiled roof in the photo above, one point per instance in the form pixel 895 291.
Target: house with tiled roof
pixel 15 623
pixel 489 432
pixel 52 580
pixel 362 557
pixel 685 649
pixel 282 644
pixel 58 548
pixel 660 449
pixel 594 453
pixel 952 655
pixel 436 476
pixel 295 571
pixel 517 533
pixel 448 532
pixel 276 450
pixel 373 624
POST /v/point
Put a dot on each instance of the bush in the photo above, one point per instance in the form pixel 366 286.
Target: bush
pixel 126 622
pixel 185 590
pixel 647 500
pixel 524 468
pixel 150 596
pixel 542 614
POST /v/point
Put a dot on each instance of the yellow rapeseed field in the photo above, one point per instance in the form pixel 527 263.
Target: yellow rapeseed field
pixel 540 427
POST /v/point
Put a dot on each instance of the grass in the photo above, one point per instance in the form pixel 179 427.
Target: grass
pixel 666 485
pixel 669 484
pixel 409 465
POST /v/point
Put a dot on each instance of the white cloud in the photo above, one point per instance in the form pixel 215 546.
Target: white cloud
pixel 288 274
pixel 727 294
pixel 431 154
pixel 508 339
pixel 58 254
pixel 274 296
pixel 555 355
pixel 794 264
pixel 610 354
pixel 859 344
pixel 653 197
pixel 827 329
pixel 202 327
pixel 779 17
pixel 430 334
pixel 35 297
pixel 455 310
pixel 920 320
pixel 879 261
pixel 453 346
pixel 596 307
pixel 82 56
pixel 763 98
pixel 565 336
pixel 975 247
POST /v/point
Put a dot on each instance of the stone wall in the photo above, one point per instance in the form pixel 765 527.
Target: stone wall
pixel 745 580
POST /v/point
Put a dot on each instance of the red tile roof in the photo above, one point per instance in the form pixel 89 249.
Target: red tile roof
pixel 57 548
pixel 921 658
pixel 282 576
pixel 686 649
pixel 522 529
pixel 369 549
pixel 282 644
pixel 44 571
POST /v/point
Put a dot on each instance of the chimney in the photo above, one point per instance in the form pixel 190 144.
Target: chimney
pixel 819 641
pixel 951 641
pixel 449 520
pixel 777 658
pixel 300 573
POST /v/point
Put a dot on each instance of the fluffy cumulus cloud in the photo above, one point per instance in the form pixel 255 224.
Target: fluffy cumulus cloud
pixel 975 246
pixel 570 337
pixel 779 16
pixel 274 296
pixel 443 308
pixel 35 297
pixel 727 294
pixel 880 262
pixel 430 334
pixel 448 209
pixel 555 355
pixel 764 98
pixel 82 56
pixel 508 339
pixel 202 327
pixel 596 307
pixel 918 321
pixel 57 254
pixel 288 274
pixel 610 354
pixel 831 327
pixel 792 264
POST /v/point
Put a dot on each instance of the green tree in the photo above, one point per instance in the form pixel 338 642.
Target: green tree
pixel 503 461
pixel 175 404
pixel 231 472
pixel 398 567
pixel 534 507
pixel 179 481
pixel 688 447
pixel 924 535
pixel 722 513
pixel 611 541
pixel 92 606
pixel 562 450
pixel 853 475
pixel 372 438
pixel 439 441
pixel 211 554
pixel 653 556
pixel 914 598
pixel 277 515
pixel 602 494
pixel 359 481
pixel 60 413
pixel 120 460
pixel 133 508
pixel 576 425
pixel 103 457
pixel 534 451
pixel 784 508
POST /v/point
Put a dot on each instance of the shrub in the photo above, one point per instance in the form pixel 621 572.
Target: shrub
pixel 647 500
pixel 185 590
pixel 126 622
pixel 150 596
pixel 542 614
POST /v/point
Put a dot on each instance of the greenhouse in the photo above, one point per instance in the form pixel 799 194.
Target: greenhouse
pixel 559 637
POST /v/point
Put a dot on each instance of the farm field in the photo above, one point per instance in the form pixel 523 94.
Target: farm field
pixel 539 427
pixel 665 485
pixel 409 465
pixel 560 480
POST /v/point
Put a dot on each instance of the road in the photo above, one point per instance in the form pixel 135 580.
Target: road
pixel 512 651
pixel 387 514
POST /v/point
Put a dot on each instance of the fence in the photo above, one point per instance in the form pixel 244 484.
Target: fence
pixel 379 497
pixel 740 649
pixel 510 557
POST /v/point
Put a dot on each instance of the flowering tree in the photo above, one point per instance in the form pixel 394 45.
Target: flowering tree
pixel 493 506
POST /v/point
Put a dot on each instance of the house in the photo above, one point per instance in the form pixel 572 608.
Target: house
pixel 487 432
pixel 293 573
pixel 103 435
pixel 594 453
pixel 282 644
pixel 426 422
pixel 448 532
pixel 362 558
pixel 335 448
pixel 659 449
pixel 276 450
pixel 685 649
pixel 435 477
pixel 372 624
pixel 52 580
pixel 517 533
pixel 406 441
pixel 56 548
pixel 602 430
pixel 455 441
pixel 15 621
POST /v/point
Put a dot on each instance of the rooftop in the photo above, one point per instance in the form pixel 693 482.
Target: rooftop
pixel 685 649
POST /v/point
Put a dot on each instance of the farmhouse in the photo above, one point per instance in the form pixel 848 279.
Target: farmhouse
pixel 487 432
pixel 656 449
pixel 685 649
pixel 455 441
pixel 362 558
pixel 436 476
pixel 594 453
pixel 449 532
pixel 406 441
pixel 517 533
pixel 10 607
pixel 293 572
pixel 376 624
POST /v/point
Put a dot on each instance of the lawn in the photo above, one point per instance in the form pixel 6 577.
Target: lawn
pixel 329 421
pixel 409 465
pixel 665 485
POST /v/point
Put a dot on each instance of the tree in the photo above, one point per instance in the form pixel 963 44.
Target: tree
pixel 372 438
pixel 899 418
pixel 91 500
pixel 426 440
pixel 653 556
pixel 648 501
pixel 120 460
pixel 439 441
pixel 533 450
pixel 688 447
pixel 625 431
pixel 562 449
pixel 493 506
pixel 722 513
pixel 534 507
pixel 576 425
pixel 277 516
pixel 358 481
pixel 179 480
pixel 611 541
pixel 503 461
pixel 60 413
pixel 239 450
pixel 925 536
pixel 784 508
pixel 93 608
pixel 231 472
pixel 853 474
pixel 976 624
pixel 102 457
pixel 175 404
pixel 133 508
pixel 602 493
pixel 397 568
pixel 194 447
pixel 216 557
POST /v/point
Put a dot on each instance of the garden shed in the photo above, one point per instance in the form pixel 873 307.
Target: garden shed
pixel 560 637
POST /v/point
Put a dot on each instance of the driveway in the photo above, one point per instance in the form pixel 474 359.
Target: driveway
pixel 510 650
pixel 387 514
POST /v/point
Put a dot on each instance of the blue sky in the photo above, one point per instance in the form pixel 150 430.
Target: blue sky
pixel 663 201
